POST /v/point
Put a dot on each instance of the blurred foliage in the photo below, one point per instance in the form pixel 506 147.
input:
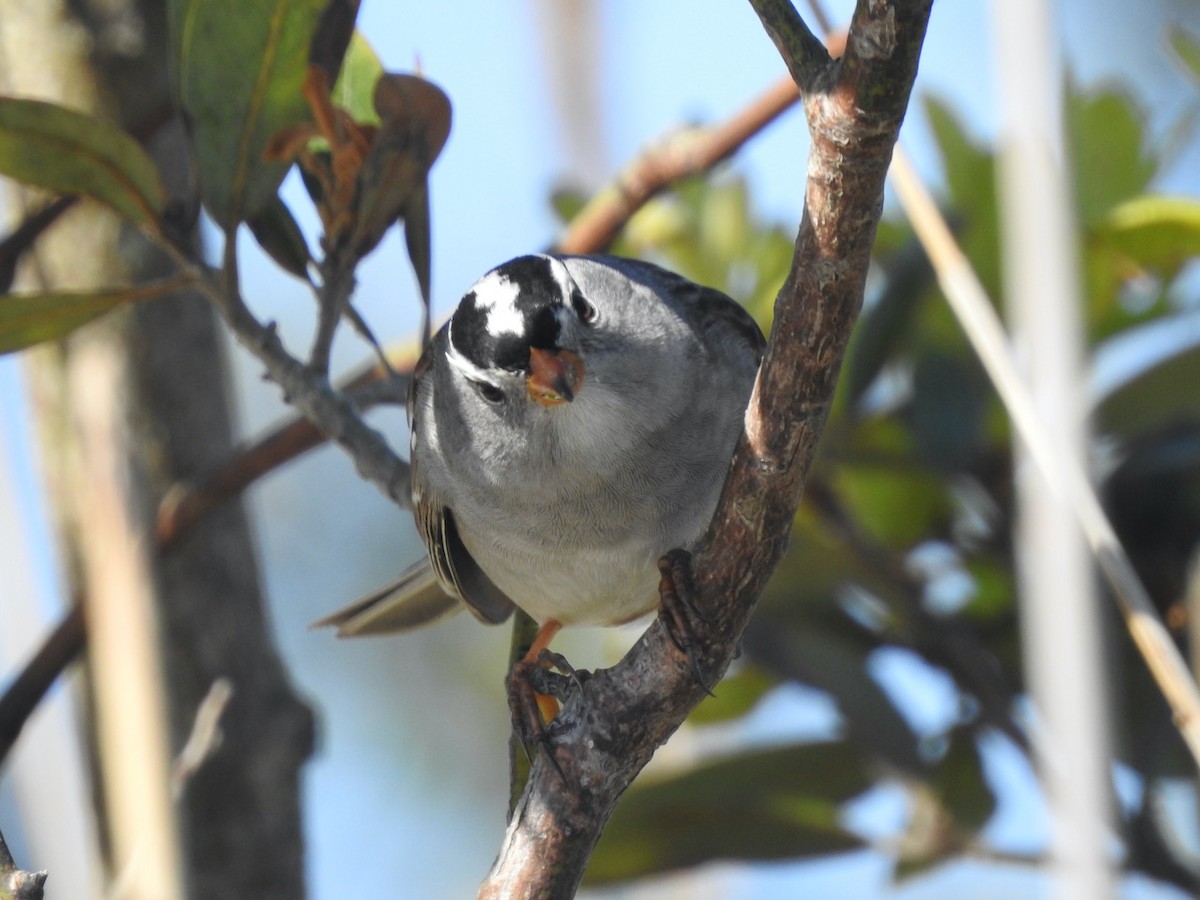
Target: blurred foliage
pixel 902 543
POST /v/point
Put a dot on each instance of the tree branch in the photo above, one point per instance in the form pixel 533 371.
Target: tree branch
pixel 21 697
pixel 609 729
pixel 803 53
pixel 308 390
pixel 187 503
pixel 17 884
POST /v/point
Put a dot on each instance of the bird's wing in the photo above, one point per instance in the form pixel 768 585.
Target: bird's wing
pixel 451 562
pixel 413 600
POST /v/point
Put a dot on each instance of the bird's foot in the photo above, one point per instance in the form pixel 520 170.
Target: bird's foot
pixel 678 609
pixel 536 685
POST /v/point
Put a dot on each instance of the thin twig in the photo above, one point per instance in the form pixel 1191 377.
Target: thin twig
pixel 58 651
pixel 22 238
pixel 333 298
pixel 307 390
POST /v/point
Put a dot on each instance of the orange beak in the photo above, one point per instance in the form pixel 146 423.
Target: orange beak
pixel 555 376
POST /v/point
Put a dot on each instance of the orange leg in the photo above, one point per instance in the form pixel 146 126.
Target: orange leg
pixel 547 706
pixel 531 710
pixel 542 639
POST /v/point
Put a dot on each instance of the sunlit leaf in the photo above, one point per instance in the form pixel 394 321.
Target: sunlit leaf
pixel 1153 232
pixel 62 150
pixel 781 803
pixel 240 69
pixel 354 90
pixel 661 223
pixel 28 319
pixel 725 221
pixel 898 507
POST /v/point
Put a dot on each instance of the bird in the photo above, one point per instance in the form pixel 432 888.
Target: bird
pixel 571 423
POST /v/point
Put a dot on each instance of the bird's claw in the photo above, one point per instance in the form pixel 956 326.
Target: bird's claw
pixel 535 687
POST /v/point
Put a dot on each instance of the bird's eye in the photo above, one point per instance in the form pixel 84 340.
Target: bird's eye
pixel 583 309
pixel 488 391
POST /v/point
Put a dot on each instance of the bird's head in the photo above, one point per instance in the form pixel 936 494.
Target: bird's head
pixel 520 328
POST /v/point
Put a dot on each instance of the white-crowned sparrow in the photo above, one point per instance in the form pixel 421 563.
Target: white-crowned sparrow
pixel 571 423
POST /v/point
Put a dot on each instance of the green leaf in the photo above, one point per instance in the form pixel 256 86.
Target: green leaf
pixel 885 326
pixel 277 233
pixel 774 804
pixel 62 150
pixel 971 181
pixel 960 782
pixel 725 222
pixel 240 66
pixel 1187 47
pixel 898 507
pixel 28 319
pixel 1108 153
pixel 1162 394
pixel 355 88
pixel 994 593
pixel 1153 232
pixel 566 203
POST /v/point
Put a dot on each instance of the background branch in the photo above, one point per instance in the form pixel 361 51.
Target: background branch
pixel 598 223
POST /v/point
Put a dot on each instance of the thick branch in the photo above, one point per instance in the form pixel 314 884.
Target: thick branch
pixel 608 731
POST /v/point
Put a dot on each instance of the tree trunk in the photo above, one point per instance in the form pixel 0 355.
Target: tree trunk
pixel 130 407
